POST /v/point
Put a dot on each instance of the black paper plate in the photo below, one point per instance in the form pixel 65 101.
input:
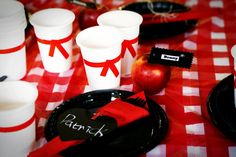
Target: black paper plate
pixel 161 30
pixel 221 107
pixel 131 140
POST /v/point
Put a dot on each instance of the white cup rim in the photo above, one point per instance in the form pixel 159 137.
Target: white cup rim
pixel 120 19
pixel 32 89
pixel 19 7
pixel 38 18
pixel 12 18
pixel 82 37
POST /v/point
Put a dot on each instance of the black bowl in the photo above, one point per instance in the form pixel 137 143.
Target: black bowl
pixel 131 140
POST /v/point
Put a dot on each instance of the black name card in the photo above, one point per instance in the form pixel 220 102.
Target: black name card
pixel 76 124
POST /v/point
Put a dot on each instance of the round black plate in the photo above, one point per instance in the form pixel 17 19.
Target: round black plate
pixel 161 30
pixel 221 107
pixel 131 140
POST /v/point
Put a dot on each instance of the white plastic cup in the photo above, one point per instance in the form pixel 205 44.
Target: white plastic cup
pixel 233 53
pixel 128 23
pixel 16 108
pixel 54 24
pixel 12 34
pixel 99 44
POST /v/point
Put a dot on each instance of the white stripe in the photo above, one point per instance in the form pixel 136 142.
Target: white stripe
pixel 38 58
pixel 60 88
pixel 190 75
pixel 163 107
pixel 194 109
pixel 190 91
pixel 218 21
pixel 161 45
pixel 42 122
pixel 158 151
pixel 196 151
pixel 36 71
pixel 75 57
pixel 191 3
pixel 52 105
pixel 195 61
pixel 190 45
pixel 40 143
pixel 232 151
pixel 218 35
pixel 221 76
pixel 161 93
pixel 126 87
pixel 221 61
pixel 216 4
pixel 195 129
pixel 219 48
pixel 67 73
pixel 189 34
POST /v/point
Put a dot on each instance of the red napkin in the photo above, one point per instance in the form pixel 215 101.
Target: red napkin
pixel 123 112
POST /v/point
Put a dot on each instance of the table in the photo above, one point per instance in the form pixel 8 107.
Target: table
pixel 191 132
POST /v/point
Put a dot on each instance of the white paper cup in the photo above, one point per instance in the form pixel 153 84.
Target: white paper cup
pixel 12 35
pixel 99 44
pixel 233 53
pixel 128 23
pixel 16 108
pixel 54 24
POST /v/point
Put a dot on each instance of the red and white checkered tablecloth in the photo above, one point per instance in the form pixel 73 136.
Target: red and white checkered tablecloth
pixel 191 132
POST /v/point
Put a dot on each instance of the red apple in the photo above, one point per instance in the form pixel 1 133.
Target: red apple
pixel 151 78
pixel 88 17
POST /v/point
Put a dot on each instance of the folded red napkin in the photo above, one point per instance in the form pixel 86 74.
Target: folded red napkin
pixel 123 112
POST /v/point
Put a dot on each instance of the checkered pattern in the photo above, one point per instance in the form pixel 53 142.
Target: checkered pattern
pixel 191 133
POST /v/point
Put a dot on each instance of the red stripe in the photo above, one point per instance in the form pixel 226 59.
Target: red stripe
pixel 14 49
pixel 18 127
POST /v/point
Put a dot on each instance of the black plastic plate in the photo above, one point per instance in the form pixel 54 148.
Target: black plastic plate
pixel 221 107
pixel 131 140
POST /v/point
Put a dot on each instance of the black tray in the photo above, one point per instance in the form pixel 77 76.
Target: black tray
pixel 131 140
pixel 221 107
pixel 161 30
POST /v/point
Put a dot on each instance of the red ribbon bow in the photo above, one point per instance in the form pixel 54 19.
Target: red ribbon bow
pixel 108 64
pixel 127 44
pixel 56 44
pixel 18 127
pixel 14 49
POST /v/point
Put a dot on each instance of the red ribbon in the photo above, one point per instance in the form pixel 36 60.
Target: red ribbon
pixel 14 49
pixel 18 127
pixel 128 44
pixel 108 64
pixel 55 146
pixel 124 113
pixel 56 44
